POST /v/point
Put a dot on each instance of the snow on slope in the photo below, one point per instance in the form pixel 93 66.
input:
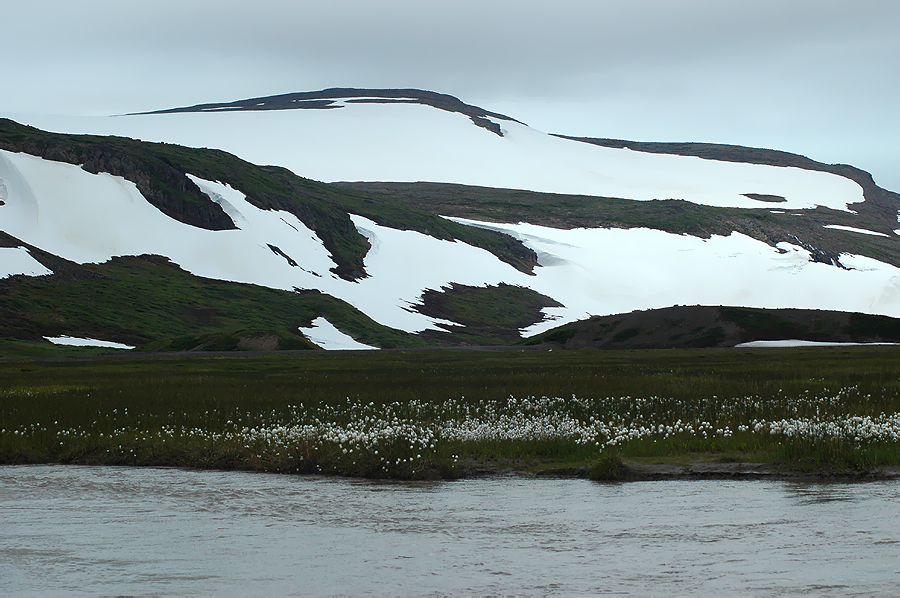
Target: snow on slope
pixel 325 335
pixel 798 343
pixel 853 229
pixel 608 271
pixel 89 218
pixel 414 142
pixel 17 260
pixel 74 341
pixel 402 264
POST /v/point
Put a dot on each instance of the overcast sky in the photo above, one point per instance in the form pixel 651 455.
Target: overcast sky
pixel 817 77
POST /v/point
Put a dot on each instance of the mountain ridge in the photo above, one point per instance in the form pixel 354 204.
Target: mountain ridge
pixel 415 263
pixel 326 99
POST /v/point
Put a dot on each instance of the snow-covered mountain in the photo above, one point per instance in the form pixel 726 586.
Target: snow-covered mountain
pixel 637 228
pixel 356 136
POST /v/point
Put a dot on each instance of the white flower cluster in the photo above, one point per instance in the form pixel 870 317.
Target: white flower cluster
pixel 407 431
pixel 856 429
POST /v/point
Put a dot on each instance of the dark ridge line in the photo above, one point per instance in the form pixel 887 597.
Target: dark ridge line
pixel 764 197
pixel 722 152
pixel 324 100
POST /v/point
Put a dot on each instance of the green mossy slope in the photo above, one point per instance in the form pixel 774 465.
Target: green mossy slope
pixel 149 302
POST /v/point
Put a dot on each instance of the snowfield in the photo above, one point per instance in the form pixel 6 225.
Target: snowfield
pixel 414 142
pixel 85 217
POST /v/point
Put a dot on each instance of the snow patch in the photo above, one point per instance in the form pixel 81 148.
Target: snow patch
pixel 324 334
pixel 403 264
pixel 75 341
pixel 854 230
pixel 215 192
pixel 344 102
pixel 799 343
pixel 17 260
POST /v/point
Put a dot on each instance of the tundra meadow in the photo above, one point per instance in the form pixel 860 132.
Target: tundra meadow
pixel 440 414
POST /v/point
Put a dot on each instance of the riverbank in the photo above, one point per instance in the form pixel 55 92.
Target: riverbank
pixel 630 471
pixel 780 413
pixel 706 470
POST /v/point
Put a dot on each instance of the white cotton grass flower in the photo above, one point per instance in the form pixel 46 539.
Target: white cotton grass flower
pixel 403 432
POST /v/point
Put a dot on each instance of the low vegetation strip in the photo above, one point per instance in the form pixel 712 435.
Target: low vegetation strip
pixel 152 303
pixel 443 415
pixel 554 210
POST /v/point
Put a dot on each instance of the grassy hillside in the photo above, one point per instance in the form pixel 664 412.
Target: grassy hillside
pixel 152 303
pixel 149 302
pixel 490 315
pixel 711 326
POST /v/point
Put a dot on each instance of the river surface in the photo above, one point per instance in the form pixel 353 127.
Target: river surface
pixel 109 530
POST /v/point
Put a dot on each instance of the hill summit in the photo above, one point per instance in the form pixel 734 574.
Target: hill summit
pixel 435 223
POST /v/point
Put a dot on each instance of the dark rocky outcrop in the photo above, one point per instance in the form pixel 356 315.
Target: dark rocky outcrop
pixel 325 99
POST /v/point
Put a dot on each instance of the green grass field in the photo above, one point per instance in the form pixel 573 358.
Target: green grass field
pixel 425 414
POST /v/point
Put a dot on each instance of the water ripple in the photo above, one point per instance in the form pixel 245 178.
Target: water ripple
pixel 106 530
